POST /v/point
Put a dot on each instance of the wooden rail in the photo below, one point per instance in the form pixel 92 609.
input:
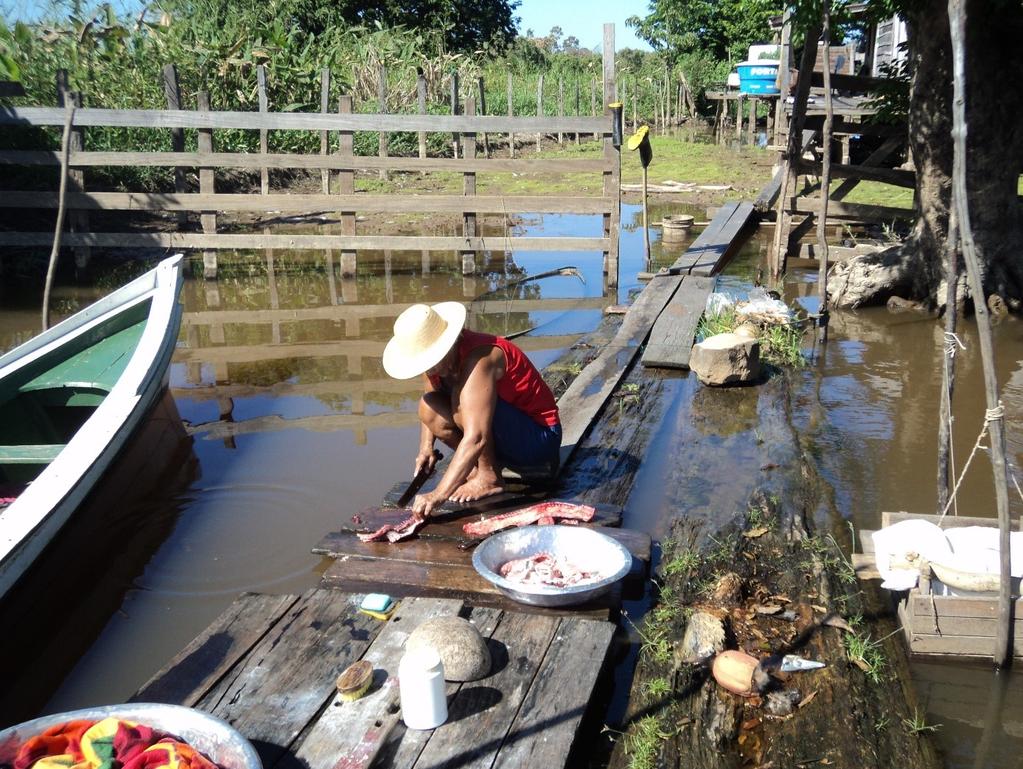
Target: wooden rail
pixel 341 165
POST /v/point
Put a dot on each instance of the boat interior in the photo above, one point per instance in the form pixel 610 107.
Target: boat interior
pixel 44 402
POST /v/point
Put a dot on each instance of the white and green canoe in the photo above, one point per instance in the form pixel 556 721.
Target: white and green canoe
pixel 69 400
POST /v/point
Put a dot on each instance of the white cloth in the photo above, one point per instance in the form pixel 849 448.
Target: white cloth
pixel 969 548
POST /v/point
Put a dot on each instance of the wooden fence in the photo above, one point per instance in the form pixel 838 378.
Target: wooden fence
pixel 346 204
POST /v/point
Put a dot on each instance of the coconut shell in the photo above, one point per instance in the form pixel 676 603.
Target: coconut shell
pixel 734 670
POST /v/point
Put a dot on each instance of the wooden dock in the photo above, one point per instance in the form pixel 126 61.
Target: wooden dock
pixel 671 339
pixel 268 666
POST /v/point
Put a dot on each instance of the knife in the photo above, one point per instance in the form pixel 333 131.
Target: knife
pixel 418 481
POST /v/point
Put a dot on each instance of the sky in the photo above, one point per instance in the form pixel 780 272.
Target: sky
pixel 584 19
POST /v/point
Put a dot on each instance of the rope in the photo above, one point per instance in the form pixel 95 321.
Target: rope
pixel 51 268
pixel 990 415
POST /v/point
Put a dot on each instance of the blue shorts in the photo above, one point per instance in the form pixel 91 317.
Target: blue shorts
pixel 521 442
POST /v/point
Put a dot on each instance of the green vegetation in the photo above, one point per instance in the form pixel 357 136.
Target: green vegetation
pixel 780 343
pixel 918 725
pixel 866 654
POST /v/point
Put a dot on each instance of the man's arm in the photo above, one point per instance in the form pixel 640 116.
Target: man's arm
pixel 425 458
pixel 477 399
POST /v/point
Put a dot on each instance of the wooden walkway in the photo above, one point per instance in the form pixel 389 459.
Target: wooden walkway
pixel 269 663
pixel 671 339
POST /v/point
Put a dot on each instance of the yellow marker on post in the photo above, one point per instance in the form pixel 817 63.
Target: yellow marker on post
pixel 641 141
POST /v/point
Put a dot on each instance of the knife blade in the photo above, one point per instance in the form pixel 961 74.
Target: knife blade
pixel 418 480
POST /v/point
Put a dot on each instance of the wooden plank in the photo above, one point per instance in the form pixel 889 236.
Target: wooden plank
pixel 957 606
pixel 960 646
pixel 948 522
pixel 362 347
pixel 713 257
pixel 289 676
pixel 584 399
pixel 264 107
pixel 477 724
pixel 278 121
pixel 347 312
pixel 343 726
pixel 437 550
pixel 559 697
pixel 170 201
pixel 448 521
pixel 324 135
pixel 857 211
pixel 188 240
pixel 893 176
pixel 671 340
pixel 682 265
pixel 469 229
pixel 406 578
pixel 308 161
pixel 190 674
pixel 412 741
pixel 172 92
pixel 769 195
pixel 207 176
pixel 951 626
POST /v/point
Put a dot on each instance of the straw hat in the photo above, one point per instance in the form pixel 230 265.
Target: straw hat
pixel 423 335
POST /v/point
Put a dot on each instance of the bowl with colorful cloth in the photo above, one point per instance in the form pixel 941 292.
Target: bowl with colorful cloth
pixel 552 565
pixel 131 736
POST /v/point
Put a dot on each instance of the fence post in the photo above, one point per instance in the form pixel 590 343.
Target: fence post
pixel 384 136
pixel 751 126
pixel 483 111
pixel 454 111
pixel 511 113
pixel 593 102
pixel 264 174
pixel 346 186
pixel 78 220
pixel 577 105
pixel 613 169
pixel 738 116
pixel 173 94
pixel 324 139
pixel 207 186
pixel 635 105
pixel 539 107
pixel 469 190
pixel 561 109
pixel 421 97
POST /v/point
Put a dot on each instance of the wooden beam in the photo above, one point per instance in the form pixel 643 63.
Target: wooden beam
pixel 305 161
pixel 167 201
pixel 894 176
pixel 141 118
pixel 857 211
pixel 317 242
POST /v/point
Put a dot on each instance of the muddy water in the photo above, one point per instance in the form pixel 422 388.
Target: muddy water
pixel 292 422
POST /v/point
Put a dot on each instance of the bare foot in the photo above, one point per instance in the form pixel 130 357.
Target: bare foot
pixel 478 486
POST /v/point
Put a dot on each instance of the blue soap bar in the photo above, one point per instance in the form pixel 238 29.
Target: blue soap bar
pixel 376 602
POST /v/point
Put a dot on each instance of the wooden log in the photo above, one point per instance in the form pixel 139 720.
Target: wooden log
pixel 482 110
pixel 857 211
pixel 346 187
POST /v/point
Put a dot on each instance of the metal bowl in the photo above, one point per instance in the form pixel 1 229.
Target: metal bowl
pixel 214 738
pixel 582 547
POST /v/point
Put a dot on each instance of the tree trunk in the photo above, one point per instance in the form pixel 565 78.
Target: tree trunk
pixel 994 103
pixel 994 140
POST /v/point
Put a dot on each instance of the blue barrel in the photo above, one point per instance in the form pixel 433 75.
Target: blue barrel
pixel 758 78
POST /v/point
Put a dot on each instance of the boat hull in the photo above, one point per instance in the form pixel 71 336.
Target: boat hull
pixel 31 522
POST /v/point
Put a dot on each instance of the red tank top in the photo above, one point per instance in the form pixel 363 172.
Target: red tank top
pixel 521 386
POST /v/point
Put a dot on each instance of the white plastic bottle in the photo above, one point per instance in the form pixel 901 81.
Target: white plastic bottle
pixel 424 704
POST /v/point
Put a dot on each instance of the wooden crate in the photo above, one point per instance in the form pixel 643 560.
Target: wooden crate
pixel 959 626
